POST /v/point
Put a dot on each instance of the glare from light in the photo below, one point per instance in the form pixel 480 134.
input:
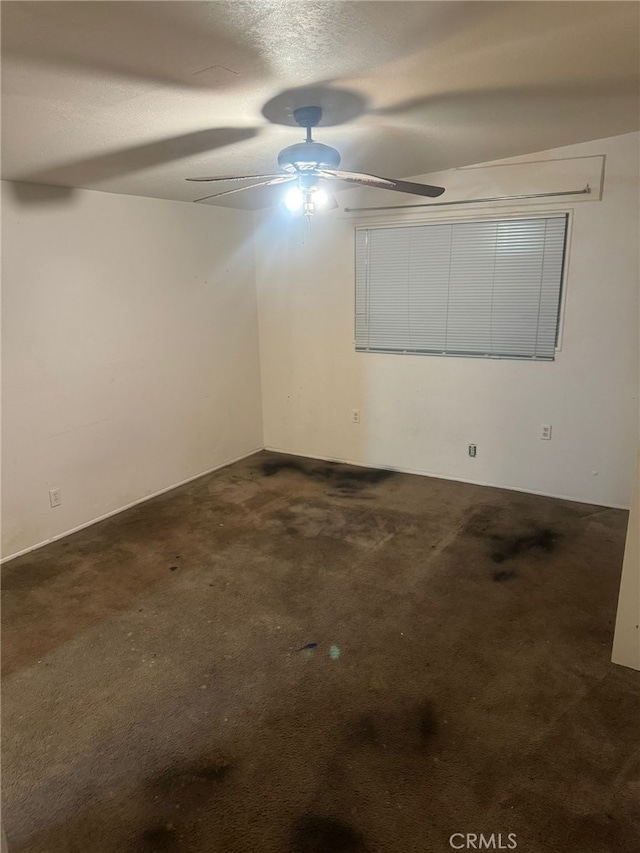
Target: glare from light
pixel 320 198
pixel 293 199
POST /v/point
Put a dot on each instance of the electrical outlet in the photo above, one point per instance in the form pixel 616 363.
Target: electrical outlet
pixel 355 416
pixel 54 497
pixel 472 450
pixel 545 432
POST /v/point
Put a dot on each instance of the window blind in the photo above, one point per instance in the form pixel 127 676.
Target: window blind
pixel 483 288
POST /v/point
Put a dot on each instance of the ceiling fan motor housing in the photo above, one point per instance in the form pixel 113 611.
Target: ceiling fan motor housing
pixel 304 156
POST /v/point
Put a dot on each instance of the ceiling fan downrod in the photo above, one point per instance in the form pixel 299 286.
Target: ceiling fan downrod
pixel 308 117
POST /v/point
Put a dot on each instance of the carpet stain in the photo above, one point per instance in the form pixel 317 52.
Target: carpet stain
pixel 509 534
pixel 502 576
pixel 159 839
pixel 198 776
pixel 361 731
pixel 427 721
pixel 354 526
pixel 348 491
pixel 317 834
pixel 511 546
pixel 30 577
pixel 182 791
pixel 347 481
pixel 403 730
pixel 482 518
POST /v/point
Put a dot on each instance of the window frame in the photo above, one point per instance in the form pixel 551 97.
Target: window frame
pixel 465 217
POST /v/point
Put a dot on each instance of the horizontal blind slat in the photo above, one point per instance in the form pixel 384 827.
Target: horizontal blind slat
pixel 483 288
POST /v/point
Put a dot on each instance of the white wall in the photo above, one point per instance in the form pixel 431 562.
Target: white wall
pixel 130 352
pixel 419 413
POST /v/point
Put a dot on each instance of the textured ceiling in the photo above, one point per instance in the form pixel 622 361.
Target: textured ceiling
pixel 132 97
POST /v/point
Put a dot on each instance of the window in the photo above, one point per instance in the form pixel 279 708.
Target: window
pixel 483 288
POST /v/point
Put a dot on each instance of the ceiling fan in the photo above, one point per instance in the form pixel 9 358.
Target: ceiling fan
pixel 308 165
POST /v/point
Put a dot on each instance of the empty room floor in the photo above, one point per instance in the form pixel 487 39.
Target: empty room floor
pixel 291 656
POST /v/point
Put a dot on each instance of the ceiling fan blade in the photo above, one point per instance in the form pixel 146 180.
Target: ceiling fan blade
pixel 364 180
pixel 237 178
pixel 281 179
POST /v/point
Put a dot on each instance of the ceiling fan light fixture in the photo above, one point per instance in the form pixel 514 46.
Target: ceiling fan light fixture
pixel 294 199
pixel 320 197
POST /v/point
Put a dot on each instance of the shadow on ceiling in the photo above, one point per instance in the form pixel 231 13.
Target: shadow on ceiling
pixel 126 160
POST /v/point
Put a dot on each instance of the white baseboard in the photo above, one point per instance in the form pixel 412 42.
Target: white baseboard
pixel 127 506
pixel 439 476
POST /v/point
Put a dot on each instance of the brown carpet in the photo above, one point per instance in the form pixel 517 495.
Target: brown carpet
pixel 289 656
